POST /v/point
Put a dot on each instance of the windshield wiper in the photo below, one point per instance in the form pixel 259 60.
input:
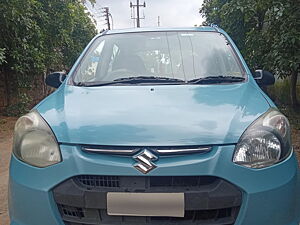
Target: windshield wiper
pixel 149 78
pixel 133 80
pixel 163 80
pixel 216 80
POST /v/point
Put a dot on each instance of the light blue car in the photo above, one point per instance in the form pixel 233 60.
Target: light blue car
pixel 155 126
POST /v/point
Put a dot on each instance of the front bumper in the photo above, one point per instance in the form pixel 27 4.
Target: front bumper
pixel 271 196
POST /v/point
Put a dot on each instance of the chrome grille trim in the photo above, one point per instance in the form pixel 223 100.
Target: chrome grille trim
pixel 184 151
pixel 110 151
pixel 160 150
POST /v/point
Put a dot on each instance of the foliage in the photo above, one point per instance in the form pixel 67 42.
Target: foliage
pixel 279 92
pixel 266 31
pixel 293 115
pixel 2 55
pixel 39 36
pixel 20 107
pixel 284 36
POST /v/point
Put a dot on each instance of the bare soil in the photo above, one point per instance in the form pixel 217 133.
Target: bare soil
pixel 6 133
pixel 296 142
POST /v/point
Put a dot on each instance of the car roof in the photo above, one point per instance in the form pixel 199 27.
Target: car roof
pixel 162 29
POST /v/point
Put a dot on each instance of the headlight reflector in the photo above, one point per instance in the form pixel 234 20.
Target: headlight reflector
pixel 34 142
pixel 265 142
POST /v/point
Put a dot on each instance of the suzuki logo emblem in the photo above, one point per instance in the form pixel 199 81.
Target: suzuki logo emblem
pixel 145 160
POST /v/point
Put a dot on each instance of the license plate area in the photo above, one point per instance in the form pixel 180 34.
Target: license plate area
pixel 145 204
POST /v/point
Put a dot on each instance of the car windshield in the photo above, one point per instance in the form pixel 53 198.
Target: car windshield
pixel 158 56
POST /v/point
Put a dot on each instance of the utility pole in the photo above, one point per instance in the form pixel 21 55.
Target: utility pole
pixel 137 6
pixel 158 21
pixel 107 16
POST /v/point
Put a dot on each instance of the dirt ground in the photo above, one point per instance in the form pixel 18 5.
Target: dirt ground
pixel 6 132
pixel 296 143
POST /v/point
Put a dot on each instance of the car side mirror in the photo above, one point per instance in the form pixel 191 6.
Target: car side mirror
pixel 55 79
pixel 263 77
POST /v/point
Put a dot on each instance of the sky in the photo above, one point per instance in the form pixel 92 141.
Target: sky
pixel 172 13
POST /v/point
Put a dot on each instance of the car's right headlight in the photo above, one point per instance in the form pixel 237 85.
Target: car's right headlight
pixel 266 142
pixel 34 142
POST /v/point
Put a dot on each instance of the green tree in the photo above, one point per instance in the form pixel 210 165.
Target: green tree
pixel 38 36
pixel 283 33
pixel 266 31
pixel 2 55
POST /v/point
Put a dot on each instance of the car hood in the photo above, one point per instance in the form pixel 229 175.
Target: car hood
pixel 167 115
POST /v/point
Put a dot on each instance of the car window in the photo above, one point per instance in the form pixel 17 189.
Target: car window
pixel 88 67
pixel 180 55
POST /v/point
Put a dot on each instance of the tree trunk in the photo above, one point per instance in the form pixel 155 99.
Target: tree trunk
pixel 293 90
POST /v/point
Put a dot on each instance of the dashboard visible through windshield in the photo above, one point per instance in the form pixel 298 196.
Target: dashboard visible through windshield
pixel 159 58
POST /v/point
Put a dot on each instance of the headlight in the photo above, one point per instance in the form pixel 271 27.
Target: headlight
pixel 266 142
pixel 34 142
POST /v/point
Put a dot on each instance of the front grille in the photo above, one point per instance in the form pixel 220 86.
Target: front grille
pixel 70 211
pixel 95 181
pixel 200 217
pixel 208 200
pixel 180 181
pixel 160 150
pixel 92 181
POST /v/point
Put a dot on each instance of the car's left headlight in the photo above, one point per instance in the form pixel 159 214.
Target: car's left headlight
pixel 34 142
pixel 266 141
